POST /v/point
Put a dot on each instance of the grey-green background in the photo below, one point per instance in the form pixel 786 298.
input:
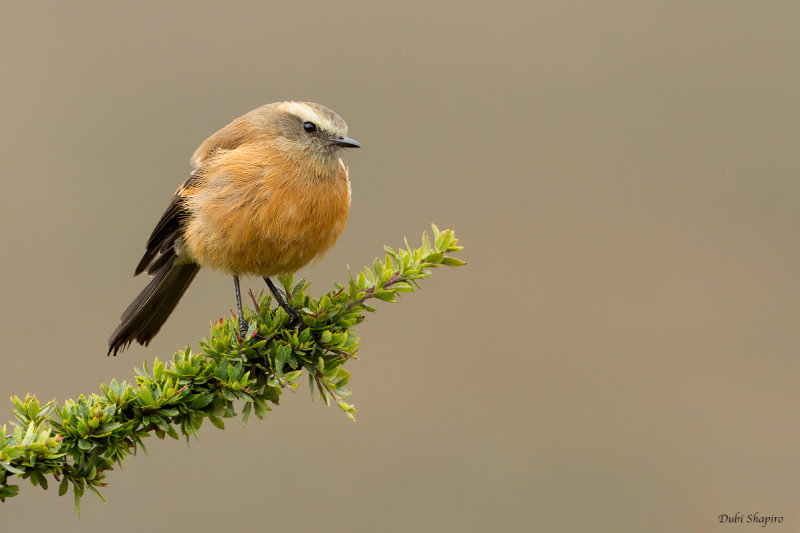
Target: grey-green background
pixel 621 353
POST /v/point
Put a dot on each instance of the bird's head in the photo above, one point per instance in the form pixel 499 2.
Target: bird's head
pixel 311 128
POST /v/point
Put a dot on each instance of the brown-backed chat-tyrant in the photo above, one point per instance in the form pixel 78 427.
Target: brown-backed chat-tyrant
pixel 267 194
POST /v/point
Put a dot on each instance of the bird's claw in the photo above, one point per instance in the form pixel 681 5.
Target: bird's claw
pixel 296 317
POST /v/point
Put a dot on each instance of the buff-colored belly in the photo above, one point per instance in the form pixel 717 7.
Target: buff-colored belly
pixel 268 228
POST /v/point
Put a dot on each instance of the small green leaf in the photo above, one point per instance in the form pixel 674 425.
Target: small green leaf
pixel 217 421
pixel 97 493
pixel 402 286
pixel 434 258
pixel 453 262
pixel 246 413
pixel 145 395
pixel 38 479
pixel 63 487
pixel 78 491
pixel 12 469
pixel 386 296
pixel 348 409
pixel 8 491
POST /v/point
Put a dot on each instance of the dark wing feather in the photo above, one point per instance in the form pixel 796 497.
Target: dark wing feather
pixel 148 312
pixel 160 244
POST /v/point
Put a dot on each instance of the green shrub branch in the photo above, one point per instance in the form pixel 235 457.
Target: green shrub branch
pixel 80 441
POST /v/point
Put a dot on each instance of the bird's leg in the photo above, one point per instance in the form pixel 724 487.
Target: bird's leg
pixel 242 325
pixel 297 318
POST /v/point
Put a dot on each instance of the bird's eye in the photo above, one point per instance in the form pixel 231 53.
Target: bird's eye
pixel 310 127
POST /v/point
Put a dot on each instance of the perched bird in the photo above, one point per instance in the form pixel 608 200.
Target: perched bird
pixel 267 194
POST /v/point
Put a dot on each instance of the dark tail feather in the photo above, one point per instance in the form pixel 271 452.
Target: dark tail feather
pixel 148 312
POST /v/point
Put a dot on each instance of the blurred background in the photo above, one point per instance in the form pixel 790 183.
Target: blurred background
pixel 621 353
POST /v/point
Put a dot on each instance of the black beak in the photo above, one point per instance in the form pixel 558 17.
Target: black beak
pixel 346 142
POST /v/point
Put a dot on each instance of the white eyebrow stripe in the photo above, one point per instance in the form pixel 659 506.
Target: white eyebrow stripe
pixel 306 112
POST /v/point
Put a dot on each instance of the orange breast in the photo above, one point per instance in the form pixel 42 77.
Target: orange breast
pixel 265 218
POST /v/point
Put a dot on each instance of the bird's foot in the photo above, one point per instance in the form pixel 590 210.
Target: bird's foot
pixel 296 316
pixel 294 312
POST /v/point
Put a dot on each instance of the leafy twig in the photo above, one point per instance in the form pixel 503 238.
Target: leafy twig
pixel 79 442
